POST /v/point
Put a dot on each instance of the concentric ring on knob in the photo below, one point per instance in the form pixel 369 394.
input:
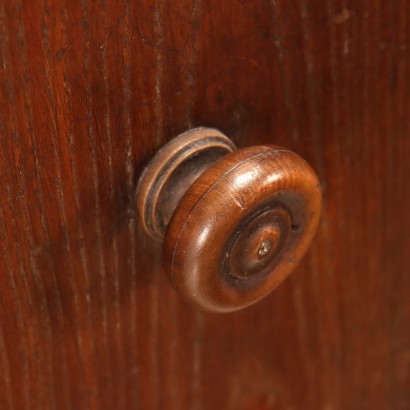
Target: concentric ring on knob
pixel 241 228
pixel 257 243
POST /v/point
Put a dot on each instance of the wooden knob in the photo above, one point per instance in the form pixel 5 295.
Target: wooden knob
pixel 234 223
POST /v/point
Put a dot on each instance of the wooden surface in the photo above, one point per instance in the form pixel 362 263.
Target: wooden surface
pixel 89 90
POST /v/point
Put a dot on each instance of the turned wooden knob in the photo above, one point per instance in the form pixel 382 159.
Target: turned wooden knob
pixel 234 223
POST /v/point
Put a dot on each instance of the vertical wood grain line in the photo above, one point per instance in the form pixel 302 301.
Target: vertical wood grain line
pixel 316 130
pixel 193 60
pixel 80 343
pixel 129 172
pixel 6 245
pixel 20 325
pixel 400 339
pixel 5 261
pixel 404 315
pixel 158 110
pixel 117 393
pixel 398 23
pixel 196 385
pixel 5 369
pixel 23 324
pixel 91 138
pixel 277 42
pixel 386 148
pixel 336 241
pixel 346 126
pixel 107 121
pixel 382 284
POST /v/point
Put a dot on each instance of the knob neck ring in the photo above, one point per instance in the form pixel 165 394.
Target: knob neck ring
pixel 172 171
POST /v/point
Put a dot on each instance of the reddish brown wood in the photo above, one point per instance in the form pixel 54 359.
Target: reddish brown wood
pixel 236 224
pixel 89 91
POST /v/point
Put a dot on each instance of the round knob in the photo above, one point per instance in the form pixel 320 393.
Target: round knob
pixel 234 223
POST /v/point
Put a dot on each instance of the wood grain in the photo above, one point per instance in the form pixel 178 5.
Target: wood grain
pixel 89 90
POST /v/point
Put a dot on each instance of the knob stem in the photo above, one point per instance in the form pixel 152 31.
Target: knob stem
pixel 172 171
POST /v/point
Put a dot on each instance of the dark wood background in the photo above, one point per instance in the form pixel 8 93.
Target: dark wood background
pixel 89 90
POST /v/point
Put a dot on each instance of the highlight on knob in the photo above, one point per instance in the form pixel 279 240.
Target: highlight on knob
pixel 234 223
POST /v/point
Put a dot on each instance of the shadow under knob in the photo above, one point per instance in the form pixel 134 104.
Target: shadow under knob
pixel 241 221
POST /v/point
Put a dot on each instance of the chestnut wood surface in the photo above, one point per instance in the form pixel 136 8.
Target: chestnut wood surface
pixel 89 90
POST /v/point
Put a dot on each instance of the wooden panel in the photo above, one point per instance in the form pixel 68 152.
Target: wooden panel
pixel 89 90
